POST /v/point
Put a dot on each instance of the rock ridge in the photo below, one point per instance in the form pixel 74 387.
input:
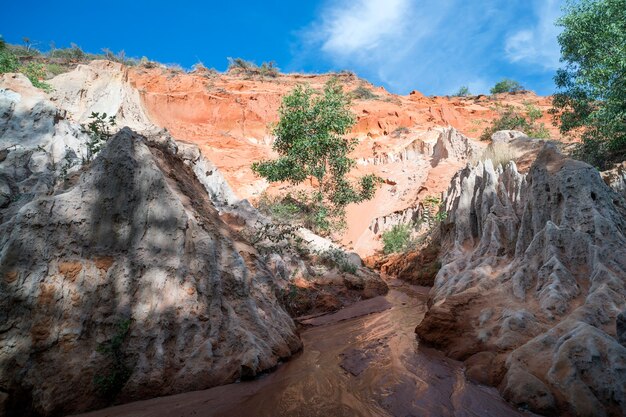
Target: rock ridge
pixel 533 278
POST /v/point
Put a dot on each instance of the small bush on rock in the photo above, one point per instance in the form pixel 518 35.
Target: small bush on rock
pixel 511 118
pixel 363 93
pixel 35 73
pixel 8 60
pixel 463 92
pixel 507 86
pixel 249 68
pixel 335 257
pixel 397 239
pixel 99 130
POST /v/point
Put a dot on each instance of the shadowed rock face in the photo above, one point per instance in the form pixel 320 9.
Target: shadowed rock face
pixel 533 278
pixel 136 241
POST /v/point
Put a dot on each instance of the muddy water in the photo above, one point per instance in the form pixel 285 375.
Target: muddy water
pixel 363 361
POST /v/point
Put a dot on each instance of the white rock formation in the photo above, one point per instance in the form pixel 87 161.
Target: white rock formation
pixel 433 145
pixel 103 87
pixel 37 143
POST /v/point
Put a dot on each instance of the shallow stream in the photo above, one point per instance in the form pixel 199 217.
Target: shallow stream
pixel 362 361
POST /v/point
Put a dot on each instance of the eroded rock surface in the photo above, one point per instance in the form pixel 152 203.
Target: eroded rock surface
pixel 133 276
pixel 37 144
pixel 534 272
pixel 135 242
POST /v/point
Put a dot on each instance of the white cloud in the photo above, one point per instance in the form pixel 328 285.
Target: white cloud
pixel 362 25
pixel 433 45
pixel 537 45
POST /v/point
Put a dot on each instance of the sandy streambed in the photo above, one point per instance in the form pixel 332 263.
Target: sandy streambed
pixel 362 361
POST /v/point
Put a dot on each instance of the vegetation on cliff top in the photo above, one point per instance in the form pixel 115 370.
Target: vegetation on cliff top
pixel 9 62
pixel 507 86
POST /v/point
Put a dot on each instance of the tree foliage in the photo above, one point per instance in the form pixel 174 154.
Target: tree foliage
pixel 592 83
pixel 99 130
pixel 463 92
pixel 506 86
pixel 511 118
pixel 311 143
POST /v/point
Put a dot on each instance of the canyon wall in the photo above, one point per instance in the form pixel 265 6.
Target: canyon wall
pixel 133 276
pixel 532 282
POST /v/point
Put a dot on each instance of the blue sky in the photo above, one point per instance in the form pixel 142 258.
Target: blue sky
pixel 433 46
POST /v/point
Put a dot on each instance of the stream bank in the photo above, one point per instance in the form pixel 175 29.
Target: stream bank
pixel 361 361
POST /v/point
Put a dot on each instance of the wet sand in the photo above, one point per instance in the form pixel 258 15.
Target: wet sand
pixel 362 361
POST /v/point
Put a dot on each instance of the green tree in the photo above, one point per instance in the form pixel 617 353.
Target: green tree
pixel 592 83
pixel 311 143
pixel 506 86
pixel 463 92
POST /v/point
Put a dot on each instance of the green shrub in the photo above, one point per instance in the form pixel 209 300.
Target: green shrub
pixel 463 92
pixel 269 69
pixel 363 93
pixel 35 73
pixel 591 97
pixel 433 213
pixel 249 68
pixel 23 51
pixel 506 86
pixel 99 130
pixel 235 64
pixel 8 61
pixel 511 118
pixel 337 258
pixel 397 239
pixel 73 53
pixel 285 209
pixel 53 69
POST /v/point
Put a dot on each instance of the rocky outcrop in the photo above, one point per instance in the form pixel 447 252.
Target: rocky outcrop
pixel 435 145
pixel 313 274
pixel 129 284
pixel 534 274
pixel 406 216
pixel 506 136
pixel 38 145
pixel 616 178
pixel 102 87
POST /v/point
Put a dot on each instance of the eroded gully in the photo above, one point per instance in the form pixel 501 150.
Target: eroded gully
pixel 362 361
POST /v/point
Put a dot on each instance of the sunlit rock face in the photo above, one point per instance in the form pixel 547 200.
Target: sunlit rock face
pixel 135 242
pixel 37 144
pixel 532 282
